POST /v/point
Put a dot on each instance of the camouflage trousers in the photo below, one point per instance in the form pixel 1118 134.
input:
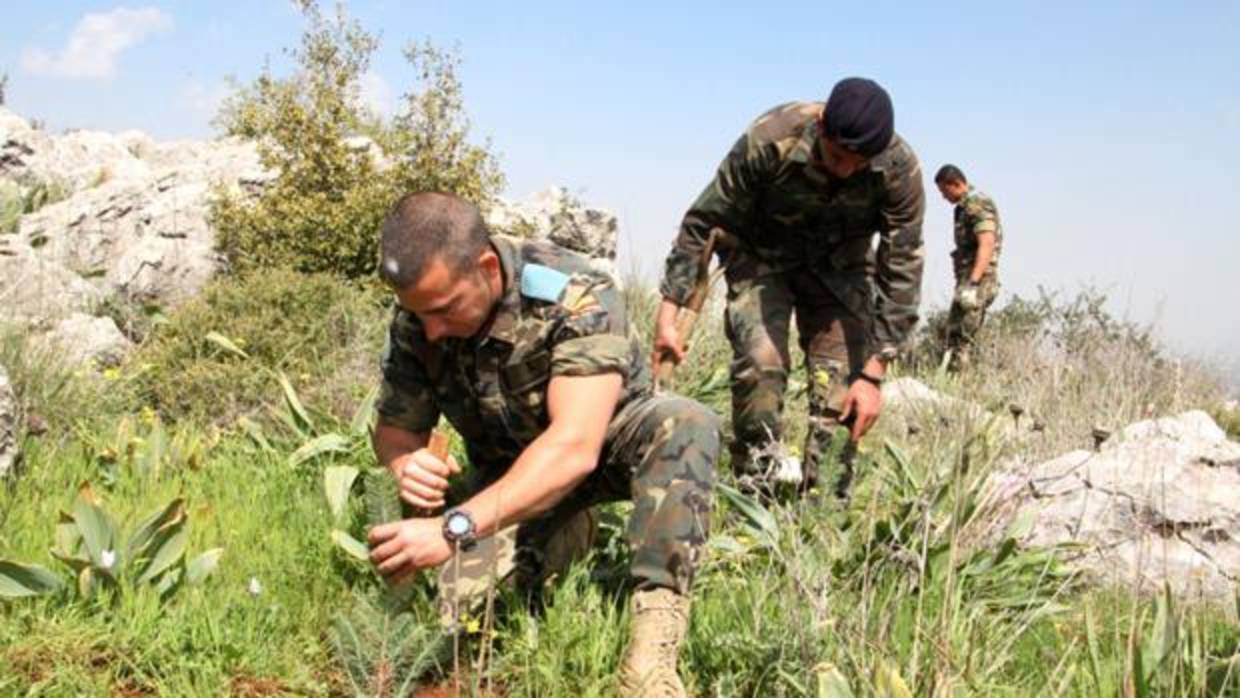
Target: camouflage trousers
pixel 834 340
pixel 964 324
pixel 660 452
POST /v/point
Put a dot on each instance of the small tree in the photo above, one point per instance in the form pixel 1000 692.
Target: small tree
pixel 324 208
pixel 4 86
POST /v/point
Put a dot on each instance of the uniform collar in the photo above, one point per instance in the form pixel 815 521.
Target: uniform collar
pixel 507 313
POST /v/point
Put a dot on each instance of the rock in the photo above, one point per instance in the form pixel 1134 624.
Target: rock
pixel 143 236
pixel 35 290
pixel 909 405
pixel 557 216
pixel 10 426
pixel 910 393
pixel 1159 502
pixel 82 338
pixel 134 225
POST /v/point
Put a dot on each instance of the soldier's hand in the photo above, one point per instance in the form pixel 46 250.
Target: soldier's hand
pixel 968 296
pixel 424 479
pixel 401 548
pixel 861 405
pixel 667 346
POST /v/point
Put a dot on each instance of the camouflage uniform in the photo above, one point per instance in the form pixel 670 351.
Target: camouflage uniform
pixel 804 244
pixel 974 214
pixel 558 317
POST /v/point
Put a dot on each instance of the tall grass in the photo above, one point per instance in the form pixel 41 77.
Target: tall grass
pixel 906 591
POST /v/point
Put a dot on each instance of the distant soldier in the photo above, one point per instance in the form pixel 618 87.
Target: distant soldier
pixel 527 352
pixel 975 261
pixel 802 194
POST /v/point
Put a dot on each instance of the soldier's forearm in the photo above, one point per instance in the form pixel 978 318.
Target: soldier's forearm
pixel 547 470
pixel 985 253
pixel 681 267
pixel 898 288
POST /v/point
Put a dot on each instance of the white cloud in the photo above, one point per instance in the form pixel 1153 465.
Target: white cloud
pixel 376 94
pixel 96 42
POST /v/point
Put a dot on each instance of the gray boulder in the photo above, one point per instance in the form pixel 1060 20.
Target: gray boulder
pixel 81 338
pixel 133 225
pixel 558 216
pixel 1158 503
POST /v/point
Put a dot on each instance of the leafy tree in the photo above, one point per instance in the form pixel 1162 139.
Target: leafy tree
pixel 340 165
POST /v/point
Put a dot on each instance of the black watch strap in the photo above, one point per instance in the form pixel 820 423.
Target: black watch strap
pixel 863 376
pixel 459 529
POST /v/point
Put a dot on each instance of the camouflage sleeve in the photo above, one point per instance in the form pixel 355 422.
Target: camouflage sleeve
pixel 591 339
pixel 981 211
pixel 900 258
pixel 405 397
pixel 727 202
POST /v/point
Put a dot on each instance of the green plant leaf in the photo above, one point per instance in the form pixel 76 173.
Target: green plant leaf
pixel 168 551
pixel 156 447
pixel 255 432
pixel 382 497
pixel 226 344
pixel 86 582
pixel 337 481
pixel 1162 640
pixel 153 530
pixel 324 443
pixel 887 682
pixel 294 403
pixel 68 539
pixel 96 527
pixel 19 580
pixel 831 683
pixel 360 424
pixel 168 582
pixel 759 519
pixel 202 566
pixel 352 546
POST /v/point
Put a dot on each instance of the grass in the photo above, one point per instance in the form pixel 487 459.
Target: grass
pixel 902 593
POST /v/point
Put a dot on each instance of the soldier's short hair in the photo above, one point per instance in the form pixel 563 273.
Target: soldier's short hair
pixel 950 173
pixel 429 225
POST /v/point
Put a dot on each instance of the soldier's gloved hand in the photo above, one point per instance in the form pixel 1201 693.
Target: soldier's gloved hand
pixel 424 479
pixel 969 296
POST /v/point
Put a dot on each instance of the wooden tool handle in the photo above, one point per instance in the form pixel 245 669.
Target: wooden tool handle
pixel 438 445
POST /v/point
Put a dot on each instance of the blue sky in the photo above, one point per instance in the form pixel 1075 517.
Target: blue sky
pixel 1107 132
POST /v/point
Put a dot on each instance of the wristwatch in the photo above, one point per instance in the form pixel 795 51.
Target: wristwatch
pixel 863 376
pixel 458 529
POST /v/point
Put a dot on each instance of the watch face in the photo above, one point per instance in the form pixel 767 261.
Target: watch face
pixel 458 524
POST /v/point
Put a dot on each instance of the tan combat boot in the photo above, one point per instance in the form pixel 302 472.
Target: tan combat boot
pixel 660 619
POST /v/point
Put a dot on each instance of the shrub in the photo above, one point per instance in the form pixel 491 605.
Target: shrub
pixel 319 331
pixel 53 395
pixel 323 210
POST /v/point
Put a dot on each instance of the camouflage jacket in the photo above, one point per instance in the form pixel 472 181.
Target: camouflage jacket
pixel 974 215
pixel 787 213
pixel 557 317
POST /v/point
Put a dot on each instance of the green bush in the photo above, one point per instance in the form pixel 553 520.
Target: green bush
pixel 323 211
pixel 323 333
pixel 53 395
